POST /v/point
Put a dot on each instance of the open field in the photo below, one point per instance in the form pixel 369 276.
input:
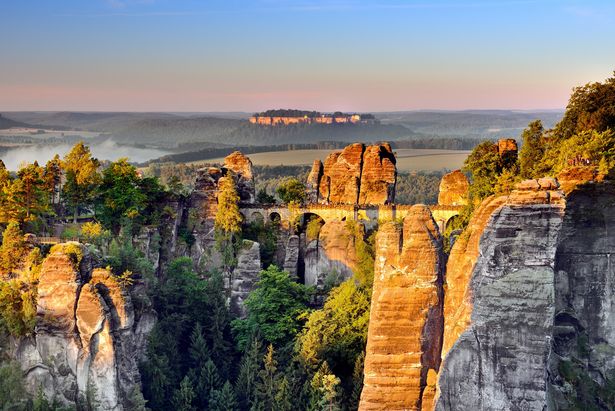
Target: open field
pixel 407 159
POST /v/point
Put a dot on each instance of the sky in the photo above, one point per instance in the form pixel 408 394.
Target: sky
pixel 350 55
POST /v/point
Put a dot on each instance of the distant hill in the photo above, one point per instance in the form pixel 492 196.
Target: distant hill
pixel 8 123
pixel 470 123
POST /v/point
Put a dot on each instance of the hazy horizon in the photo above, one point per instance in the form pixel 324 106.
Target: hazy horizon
pixel 348 55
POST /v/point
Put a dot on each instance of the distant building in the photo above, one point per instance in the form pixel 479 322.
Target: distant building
pixel 289 117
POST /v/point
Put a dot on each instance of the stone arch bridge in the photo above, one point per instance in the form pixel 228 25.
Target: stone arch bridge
pixel 369 215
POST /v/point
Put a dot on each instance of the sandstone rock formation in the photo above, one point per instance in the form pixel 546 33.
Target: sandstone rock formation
pixel 507 146
pixel 342 175
pixel 332 254
pixel 313 181
pixel 453 189
pixel 378 176
pixel 405 333
pixel 86 336
pixel 582 361
pixel 498 321
pixel 241 166
pixel 355 175
pixel 244 276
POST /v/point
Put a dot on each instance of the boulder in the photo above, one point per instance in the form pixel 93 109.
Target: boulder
pixel 241 166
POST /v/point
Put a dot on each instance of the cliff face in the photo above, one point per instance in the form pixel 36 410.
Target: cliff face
pixel 355 175
pixel 497 340
pixel 86 338
pixel 582 361
pixel 332 253
pixel 404 339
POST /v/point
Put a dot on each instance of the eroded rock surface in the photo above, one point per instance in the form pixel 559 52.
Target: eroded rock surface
pixel 498 325
pixel 404 339
pixel 85 338
pixel 332 254
pixel 244 277
pixel 453 189
pixel 355 175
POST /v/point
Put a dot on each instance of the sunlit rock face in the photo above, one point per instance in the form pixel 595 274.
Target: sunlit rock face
pixel 453 189
pixel 404 339
pixel 378 176
pixel 499 304
pixel 86 337
pixel 241 166
pixel 313 181
pixel 355 175
pixel 342 175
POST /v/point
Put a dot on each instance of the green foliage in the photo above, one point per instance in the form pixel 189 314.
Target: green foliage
pixel 292 191
pixel 417 188
pixel 123 257
pixel 227 222
pixel 591 107
pixel 587 148
pixel 192 337
pixel 266 234
pixel 312 229
pixel 17 307
pixel 484 165
pixel 12 387
pixel 13 248
pixel 184 396
pixel 249 369
pixel 223 399
pixel 274 309
pixel 326 393
pixel 337 333
pixel 263 198
pixel 73 250
pixel 532 151
pixel 82 177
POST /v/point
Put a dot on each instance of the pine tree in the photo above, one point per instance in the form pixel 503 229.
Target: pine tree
pixel 28 193
pixel 208 380
pixel 199 352
pixel 248 373
pixel 267 383
pixel 52 176
pixel 357 382
pixel 223 399
pixel 283 401
pixel 325 390
pixel 184 396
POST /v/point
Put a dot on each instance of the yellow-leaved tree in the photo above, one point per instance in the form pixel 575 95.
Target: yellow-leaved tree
pixel 82 177
pixel 227 222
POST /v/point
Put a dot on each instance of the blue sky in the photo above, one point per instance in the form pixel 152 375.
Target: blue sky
pixel 371 55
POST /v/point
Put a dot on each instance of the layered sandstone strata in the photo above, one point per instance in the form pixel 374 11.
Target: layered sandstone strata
pixel 404 339
pixel 499 303
pixel 86 336
pixel 356 175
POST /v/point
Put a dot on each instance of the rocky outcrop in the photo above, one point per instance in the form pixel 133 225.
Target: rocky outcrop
pixel 86 337
pixel 453 189
pixel 342 176
pixel 355 175
pixel 507 147
pixel 332 255
pixel 313 181
pixel 499 320
pixel 378 176
pixel 291 260
pixel 244 277
pixel 241 166
pixel 404 339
